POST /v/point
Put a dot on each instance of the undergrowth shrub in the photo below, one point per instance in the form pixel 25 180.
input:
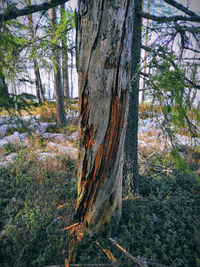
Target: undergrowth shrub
pixel 163 226
pixel 37 202
pixel 68 129
pixel 11 130
pixel 47 112
pixel 11 148
pixel 160 226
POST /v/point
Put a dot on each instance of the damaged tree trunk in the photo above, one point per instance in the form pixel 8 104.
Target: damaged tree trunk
pixel 103 52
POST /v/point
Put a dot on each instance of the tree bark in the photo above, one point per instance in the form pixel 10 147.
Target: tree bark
pixel 103 52
pixel 60 109
pixel 131 143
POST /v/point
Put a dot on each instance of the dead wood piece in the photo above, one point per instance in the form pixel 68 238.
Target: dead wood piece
pixel 125 252
pixel 71 226
pixel 80 265
pixel 107 252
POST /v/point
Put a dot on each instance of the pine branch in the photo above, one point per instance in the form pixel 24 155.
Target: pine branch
pixel 181 7
pixel 13 12
pixel 164 19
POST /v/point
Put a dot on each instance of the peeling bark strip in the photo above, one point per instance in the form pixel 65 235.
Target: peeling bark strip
pixel 105 157
pixel 103 52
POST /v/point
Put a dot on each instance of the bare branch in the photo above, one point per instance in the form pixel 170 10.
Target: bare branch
pixel 126 252
pixel 13 12
pixel 181 7
pixel 172 18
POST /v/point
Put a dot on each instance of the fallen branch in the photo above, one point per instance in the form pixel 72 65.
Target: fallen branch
pixel 86 265
pixel 126 252
pixel 107 252
pixel 71 226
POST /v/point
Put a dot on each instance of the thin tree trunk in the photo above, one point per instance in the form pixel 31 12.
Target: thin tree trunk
pixel 145 53
pixel 60 109
pixel 38 82
pixel 103 51
pixel 131 143
pixel 3 87
pixel 65 73
pixel 72 67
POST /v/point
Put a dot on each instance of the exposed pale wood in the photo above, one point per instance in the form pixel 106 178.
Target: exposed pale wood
pixel 71 226
pixel 107 252
pixel 103 52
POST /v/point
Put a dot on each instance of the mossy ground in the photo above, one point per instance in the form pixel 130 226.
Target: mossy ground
pixel 37 200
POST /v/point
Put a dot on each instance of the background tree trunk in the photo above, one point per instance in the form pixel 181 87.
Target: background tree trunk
pixel 72 67
pixel 131 142
pixel 103 52
pixel 145 53
pixel 3 87
pixel 65 73
pixel 38 82
pixel 60 109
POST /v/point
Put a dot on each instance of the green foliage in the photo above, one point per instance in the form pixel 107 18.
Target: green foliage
pixel 47 112
pixel 58 32
pixel 172 88
pixel 11 44
pixel 37 200
pixel 161 226
pixel 71 128
pixel 67 23
pixel 10 148
pixel 164 227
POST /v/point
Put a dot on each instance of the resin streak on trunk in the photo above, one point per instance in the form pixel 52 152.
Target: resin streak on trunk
pixel 103 52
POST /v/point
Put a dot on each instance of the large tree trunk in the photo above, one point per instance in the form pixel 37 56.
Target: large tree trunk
pixel 60 109
pixel 103 51
pixel 65 73
pixel 131 142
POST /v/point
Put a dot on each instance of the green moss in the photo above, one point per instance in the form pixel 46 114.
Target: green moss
pixel 11 130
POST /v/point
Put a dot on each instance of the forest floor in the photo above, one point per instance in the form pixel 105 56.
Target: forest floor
pixel 38 169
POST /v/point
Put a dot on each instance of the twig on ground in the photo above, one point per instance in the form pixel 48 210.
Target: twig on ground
pixel 126 252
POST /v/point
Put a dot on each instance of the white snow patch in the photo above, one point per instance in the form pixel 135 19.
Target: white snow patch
pixel 45 155
pixel 67 149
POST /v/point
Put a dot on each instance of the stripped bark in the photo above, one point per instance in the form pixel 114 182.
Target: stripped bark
pixel 103 52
